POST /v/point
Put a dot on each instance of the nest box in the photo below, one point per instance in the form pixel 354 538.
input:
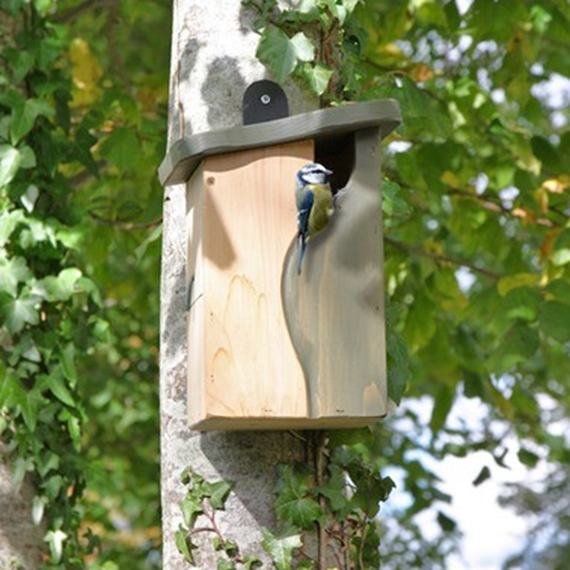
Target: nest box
pixel 269 348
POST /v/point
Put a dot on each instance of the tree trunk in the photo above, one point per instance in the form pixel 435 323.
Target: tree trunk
pixel 213 62
pixel 21 541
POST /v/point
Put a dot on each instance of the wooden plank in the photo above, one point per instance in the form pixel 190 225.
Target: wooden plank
pixel 250 366
pixel 185 154
pixel 335 308
pixel 195 198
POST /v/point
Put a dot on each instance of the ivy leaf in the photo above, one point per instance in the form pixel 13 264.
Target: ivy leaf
pixel 68 363
pixel 38 508
pixel 24 116
pixel 19 311
pixel 62 287
pixel 250 562
pixel 225 564
pixel 58 387
pixel 302 512
pixel 191 508
pixel 55 539
pixel 10 160
pixel 8 223
pixel 184 544
pixel 276 51
pixel 318 76
pixel 12 272
pixel 304 48
pixel 280 548
pixel 220 491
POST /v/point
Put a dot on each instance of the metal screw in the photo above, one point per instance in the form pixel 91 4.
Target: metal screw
pixel 265 99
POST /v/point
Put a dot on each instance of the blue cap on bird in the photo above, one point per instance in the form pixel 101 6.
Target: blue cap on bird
pixel 313 173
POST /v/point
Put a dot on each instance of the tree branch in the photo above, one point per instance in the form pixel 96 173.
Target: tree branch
pixel 441 257
pixel 124 225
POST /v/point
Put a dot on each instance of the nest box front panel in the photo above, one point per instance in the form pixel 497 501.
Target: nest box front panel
pixel 242 226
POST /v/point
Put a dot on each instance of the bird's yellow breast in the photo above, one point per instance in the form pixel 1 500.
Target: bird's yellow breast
pixel 322 208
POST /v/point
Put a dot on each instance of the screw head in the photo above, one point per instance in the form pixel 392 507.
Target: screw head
pixel 265 99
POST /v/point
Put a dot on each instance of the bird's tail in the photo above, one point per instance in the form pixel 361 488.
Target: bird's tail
pixel 303 245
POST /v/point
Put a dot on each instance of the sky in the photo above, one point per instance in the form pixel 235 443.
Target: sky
pixel 490 532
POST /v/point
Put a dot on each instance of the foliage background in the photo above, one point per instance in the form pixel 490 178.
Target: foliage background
pixel 476 234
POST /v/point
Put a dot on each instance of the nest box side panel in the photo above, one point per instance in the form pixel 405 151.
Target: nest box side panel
pixel 195 198
pixel 251 368
pixel 335 308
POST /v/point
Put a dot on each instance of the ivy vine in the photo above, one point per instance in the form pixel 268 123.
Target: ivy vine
pixel 316 43
pixel 338 498
pixel 48 307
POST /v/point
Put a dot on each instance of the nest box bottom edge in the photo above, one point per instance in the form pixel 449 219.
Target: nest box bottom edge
pixel 222 423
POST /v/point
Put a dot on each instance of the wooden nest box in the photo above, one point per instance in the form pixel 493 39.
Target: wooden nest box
pixel 269 348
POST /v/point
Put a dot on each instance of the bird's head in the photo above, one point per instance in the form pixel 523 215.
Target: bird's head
pixel 313 173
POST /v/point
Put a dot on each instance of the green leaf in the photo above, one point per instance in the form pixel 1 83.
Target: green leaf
pixel 68 363
pixel 304 48
pixel 393 204
pixel 319 76
pixel 280 548
pixel 505 284
pixel 220 491
pixel 302 512
pixel 554 319
pixel 19 311
pixel 55 540
pixel 250 562
pixel 58 387
pixel 443 402
pixel 10 160
pixel 38 508
pixel 560 289
pixel 398 367
pixel 62 287
pixel 484 474
pixel 122 148
pixel 8 223
pixel 527 457
pixel 521 303
pixel 276 51
pixel 184 544
pixel 447 524
pixel 561 254
pixel 13 272
pixel 24 116
pixel 43 6
pixel 191 508
pixel 225 564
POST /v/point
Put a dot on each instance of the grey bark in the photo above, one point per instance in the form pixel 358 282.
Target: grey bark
pixel 213 61
pixel 21 541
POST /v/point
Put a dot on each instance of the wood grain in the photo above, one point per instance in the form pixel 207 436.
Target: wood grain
pixel 241 223
pixel 270 349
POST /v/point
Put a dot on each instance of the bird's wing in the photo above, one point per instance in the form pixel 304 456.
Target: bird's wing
pixel 305 212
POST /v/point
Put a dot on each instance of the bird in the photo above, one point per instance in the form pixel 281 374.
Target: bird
pixel 315 204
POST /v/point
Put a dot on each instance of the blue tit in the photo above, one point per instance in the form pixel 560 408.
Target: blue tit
pixel 315 204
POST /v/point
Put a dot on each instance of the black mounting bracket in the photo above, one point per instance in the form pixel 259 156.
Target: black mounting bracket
pixel 264 101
